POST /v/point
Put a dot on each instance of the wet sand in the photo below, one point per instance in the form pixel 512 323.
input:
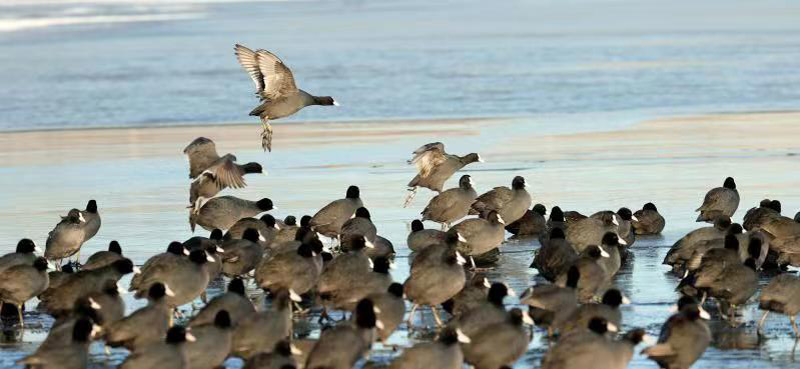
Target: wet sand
pixel 139 178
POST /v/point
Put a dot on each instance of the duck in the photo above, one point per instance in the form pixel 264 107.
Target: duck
pixel 359 225
pixel 488 312
pixel 20 283
pixel 260 331
pixel 391 308
pixel 224 211
pixel 683 339
pixel 499 344
pixel 276 88
pixel 734 286
pixel 719 201
pixel 212 173
pixel 755 217
pixel 329 220
pixel 594 348
pixel 781 296
pixel 67 237
pixel 555 256
pixel 93 221
pixel 62 329
pixel 171 353
pixel 682 250
pixel 549 304
pixel 608 309
pixel 451 205
pixel 435 280
pixel 444 353
pixel 212 343
pixel 243 255
pixel 482 235
pixel 473 294
pixel 594 278
pixel 649 220
pixel 234 302
pixel 436 166
pixel 345 297
pixel 69 355
pixel 420 238
pixel 156 316
pixel 102 258
pixel 532 223
pixel 297 270
pixel 24 254
pixel 188 278
pixel 623 220
pixel 346 269
pixel 266 226
pixel 281 357
pixel 59 302
pixel 510 203
pixel 341 346
pixel 382 248
pixel 109 305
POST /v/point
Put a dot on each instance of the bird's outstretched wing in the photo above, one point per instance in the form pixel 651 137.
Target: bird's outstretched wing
pixel 272 78
pixel 427 157
pixel 226 173
pixel 202 154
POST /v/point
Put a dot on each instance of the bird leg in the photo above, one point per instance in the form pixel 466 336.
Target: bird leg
pixel 411 193
pixel 703 300
pixel 761 322
pixel 22 322
pixel 266 135
pixel 436 316
pixel 411 315
pixel 794 327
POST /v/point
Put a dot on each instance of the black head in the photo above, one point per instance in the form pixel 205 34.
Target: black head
pixel 91 207
pixel 176 248
pixel 452 238
pixel 253 168
pixel 265 204
pixel 365 314
pixel 516 317
pixel 754 248
pixel 556 214
pixel 598 325
pixel 539 209
pixel 722 223
pixel 612 298
pixel 750 263
pixel 215 235
pixel 775 205
pixel 305 251
pixel 497 292
pixel 123 266
pixel 40 264
pixel 324 100
pixel 731 242
pixel 764 203
pixel 797 217
pixel 573 276
pixel 251 234
pixel 465 182
pixel 211 250
pixel 735 228
pixel 494 218
pixel 25 246
pixel 471 158
pixel 729 183
pixel 610 239
pixel 222 319
pixel 157 291
pixel 650 206
pixel 448 336
pixel 268 220
pixel 236 286
pixel 176 335
pixel 359 243
pixel 557 233
pixel 316 245
pixel 283 348
pixel 114 247
pixel 326 256
pixel 353 192
pixel 686 301
pixel 396 289
pixel 68 268
pixel 198 257
pixel 362 212
pixel 625 214
pixel 518 183
pixel 381 265
pixel 635 336
pixel 305 221
pixel 593 251
pixel 290 220
pixel 82 331
pixel 692 312
pixel 301 233
pixel 417 225
pixel 74 216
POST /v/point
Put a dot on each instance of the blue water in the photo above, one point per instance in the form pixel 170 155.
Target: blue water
pixel 68 63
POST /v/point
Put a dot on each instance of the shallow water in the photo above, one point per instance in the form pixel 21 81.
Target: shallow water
pixel 142 199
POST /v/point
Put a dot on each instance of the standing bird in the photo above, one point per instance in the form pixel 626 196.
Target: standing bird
pixel 24 255
pixel 500 344
pixel 782 296
pixel 293 269
pixel 102 258
pixel 260 331
pixel 70 355
pixel 156 316
pixel 436 167
pixel 555 256
pixel 451 205
pixel 720 201
pixel 360 225
pixel 67 237
pixel 92 220
pixel 683 338
pixel 212 344
pixel 436 279
pixel 276 88
pixel 420 238
pixel 21 283
pixel 510 203
pixel 329 220
pixel 235 302
pixel 341 347
pixel 649 221
pixel 224 211
pixel 532 223
pixel 187 277
pixel 243 255
pixel 481 235
pixel 168 354
pixel 212 173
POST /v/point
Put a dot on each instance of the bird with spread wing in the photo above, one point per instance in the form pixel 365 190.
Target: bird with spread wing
pixel 436 167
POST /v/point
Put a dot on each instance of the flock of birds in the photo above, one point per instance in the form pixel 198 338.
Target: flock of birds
pixel 577 309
